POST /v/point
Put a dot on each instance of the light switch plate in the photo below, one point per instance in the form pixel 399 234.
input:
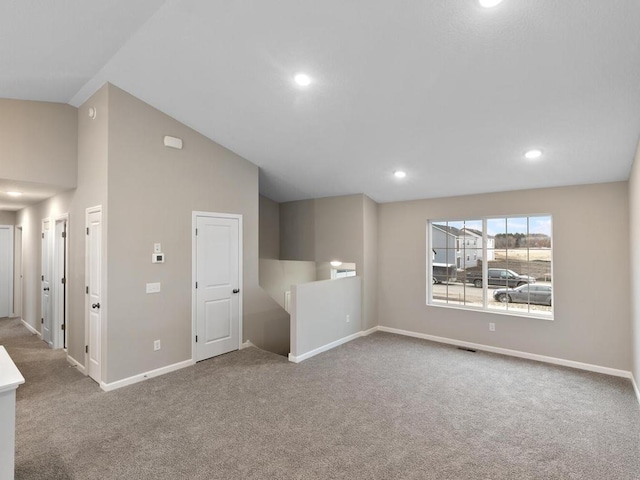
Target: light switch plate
pixel 153 287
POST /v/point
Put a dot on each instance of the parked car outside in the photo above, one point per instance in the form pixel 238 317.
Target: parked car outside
pixel 499 276
pixel 444 273
pixel 532 294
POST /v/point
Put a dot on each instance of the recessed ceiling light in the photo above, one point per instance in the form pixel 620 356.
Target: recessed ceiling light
pixel 336 263
pixel 533 154
pixel 302 79
pixel 14 194
pixel 400 174
pixel 489 3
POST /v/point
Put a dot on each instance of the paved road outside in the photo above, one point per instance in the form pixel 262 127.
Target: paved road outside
pixel 466 294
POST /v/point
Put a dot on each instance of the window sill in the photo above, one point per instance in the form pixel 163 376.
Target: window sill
pixel 510 313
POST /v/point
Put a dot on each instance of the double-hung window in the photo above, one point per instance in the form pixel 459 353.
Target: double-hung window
pixel 497 264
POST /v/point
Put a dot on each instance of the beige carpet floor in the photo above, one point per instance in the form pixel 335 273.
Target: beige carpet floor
pixel 380 407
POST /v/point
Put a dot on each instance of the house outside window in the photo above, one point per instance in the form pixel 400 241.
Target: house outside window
pixel 505 264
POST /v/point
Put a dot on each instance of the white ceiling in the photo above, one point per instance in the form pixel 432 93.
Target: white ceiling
pixel 449 91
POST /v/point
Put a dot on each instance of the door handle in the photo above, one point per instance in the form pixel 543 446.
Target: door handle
pixel 46 289
pixel 95 305
pixel 236 290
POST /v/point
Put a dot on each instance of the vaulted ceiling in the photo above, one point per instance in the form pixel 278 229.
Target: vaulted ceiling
pixel 448 91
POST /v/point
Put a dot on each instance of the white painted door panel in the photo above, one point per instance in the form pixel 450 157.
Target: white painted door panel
pixel 94 283
pixel 6 259
pixel 46 283
pixel 58 286
pixel 217 280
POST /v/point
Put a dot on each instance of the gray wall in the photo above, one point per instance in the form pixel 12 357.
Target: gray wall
pixel 93 136
pixel 269 231
pixel 277 276
pixel 335 228
pixel 298 230
pixel 319 311
pixel 591 272
pixel 91 146
pixel 39 141
pixel 152 193
pixel 7 218
pixel 634 236
pixel 127 150
pixel 369 268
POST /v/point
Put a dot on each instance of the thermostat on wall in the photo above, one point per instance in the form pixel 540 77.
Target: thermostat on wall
pixel 157 258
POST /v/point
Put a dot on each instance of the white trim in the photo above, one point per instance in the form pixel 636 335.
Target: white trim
pixel 12 308
pixel 635 387
pixel 364 333
pixel 194 224
pixel 329 346
pixel 107 387
pixel 512 353
pixel 77 364
pixel 46 244
pixel 17 313
pixel 103 286
pixel 56 310
pixel 246 344
pixel 30 328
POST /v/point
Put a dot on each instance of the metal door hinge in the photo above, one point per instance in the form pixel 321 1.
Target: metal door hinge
pixel 86 290
pixel 196 232
pixel 43 278
pixel 43 235
pixel 64 234
pixel 42 320
pixel 196 338
pixel 86 349
pixel 196 284
pixel 63 281
pixel 87 230
pixel 62 327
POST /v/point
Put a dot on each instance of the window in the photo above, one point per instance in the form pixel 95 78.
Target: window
pixel 511 270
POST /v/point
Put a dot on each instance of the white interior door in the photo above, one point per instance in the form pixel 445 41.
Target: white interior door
pixel 6 270
pixel 17 274
pixel 94 293
pixel 218 279
pixel 58 286
pixel 46 283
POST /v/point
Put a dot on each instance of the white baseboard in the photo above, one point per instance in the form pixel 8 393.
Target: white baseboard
pixel 246 344
pixel 30 328
pixel 76 364
pixel 513 353
pixel 635 387
pixel 329 346
pixel 107 387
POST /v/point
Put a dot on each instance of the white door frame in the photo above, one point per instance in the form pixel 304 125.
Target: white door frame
pixel 194 220
pixel 10 273
pixel 60 302
pixel 46 244
pixel 17 272
pixel 88 211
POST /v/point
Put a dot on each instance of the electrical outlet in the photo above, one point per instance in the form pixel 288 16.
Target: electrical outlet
pixel 348 318
pixel 156 345
pixel 492 327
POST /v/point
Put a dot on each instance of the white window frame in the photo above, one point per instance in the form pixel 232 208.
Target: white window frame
pixel 485 268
